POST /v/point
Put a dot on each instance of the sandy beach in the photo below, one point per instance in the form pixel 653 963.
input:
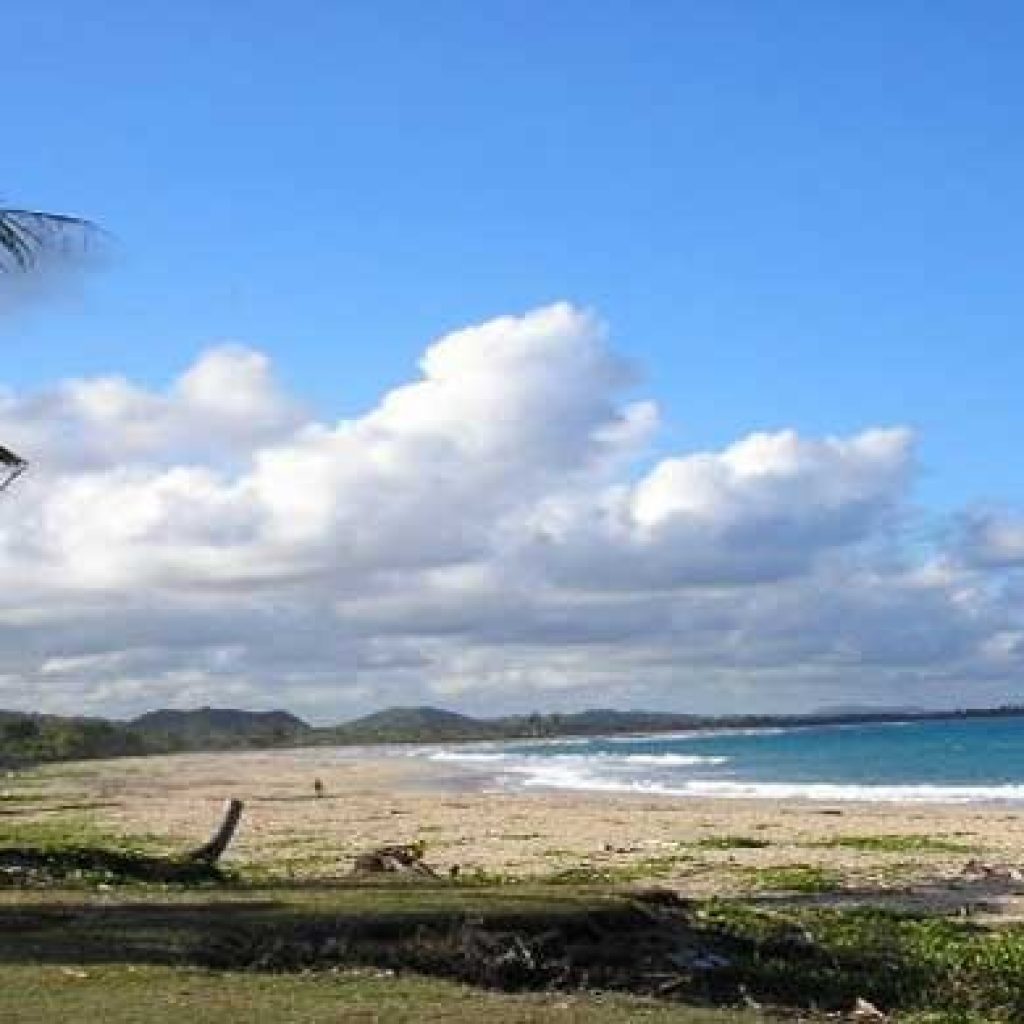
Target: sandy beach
pixel 699 846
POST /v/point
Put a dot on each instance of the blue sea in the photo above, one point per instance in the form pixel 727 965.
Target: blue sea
pixel 947 761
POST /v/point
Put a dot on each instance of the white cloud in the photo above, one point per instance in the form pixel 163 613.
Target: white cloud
pixel 991 539
pixel 107 421
pixel 482 531
pixel 762 509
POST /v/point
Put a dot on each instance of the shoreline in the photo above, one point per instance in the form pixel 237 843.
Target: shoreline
pixel 698 846
pixel 527 773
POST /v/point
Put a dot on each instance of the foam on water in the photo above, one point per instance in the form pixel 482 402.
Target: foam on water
pixel 563 777
pixel 462 756
pixel 947 761
pixel 698 734
pixel 673 760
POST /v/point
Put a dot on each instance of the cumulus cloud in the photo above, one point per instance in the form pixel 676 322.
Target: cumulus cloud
pixel 992 540
pixel 763 509
pixel 227 401
pixel 484 532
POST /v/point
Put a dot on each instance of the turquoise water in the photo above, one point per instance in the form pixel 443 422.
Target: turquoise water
pixel 973 760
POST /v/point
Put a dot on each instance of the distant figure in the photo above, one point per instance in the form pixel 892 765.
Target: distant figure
pixel 318 787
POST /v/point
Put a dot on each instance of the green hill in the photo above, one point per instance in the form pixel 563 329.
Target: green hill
pixel 420 724
pixel 221 727
pixel 28 738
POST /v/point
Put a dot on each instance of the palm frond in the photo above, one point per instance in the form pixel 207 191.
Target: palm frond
pixel 27 235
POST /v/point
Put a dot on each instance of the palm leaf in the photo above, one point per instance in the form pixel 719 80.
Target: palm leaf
pixel 26 235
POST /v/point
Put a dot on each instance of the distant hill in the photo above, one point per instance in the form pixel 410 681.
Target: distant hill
pixel 29 738
pixel 33 738
pixel 222 727
pixel 594 722
pixel 428 724
pixel 420 724
pixel 896 710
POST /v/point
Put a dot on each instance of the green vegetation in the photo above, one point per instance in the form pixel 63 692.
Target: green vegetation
pixel 829 957
pixel 805 878
pixel 219 728
pixel 657 868
pixel 897 844
pixel 456 953
pixel 127 994
pixel 28 739
pixel 649 868
pixel 59 833
pixel 72 851
pixel 32 739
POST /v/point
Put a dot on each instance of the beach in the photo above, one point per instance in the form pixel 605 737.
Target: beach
pixel 699 846
pixel 547 905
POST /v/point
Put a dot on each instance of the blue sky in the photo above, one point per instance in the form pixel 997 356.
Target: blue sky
pixel 791 215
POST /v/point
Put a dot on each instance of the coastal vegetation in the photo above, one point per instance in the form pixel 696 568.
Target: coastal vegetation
pixel 96 917
pixel 805 878
pixel 443 950
pixel 899 844
pixel 34 738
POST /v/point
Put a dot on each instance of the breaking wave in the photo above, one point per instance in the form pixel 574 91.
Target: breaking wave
pixel 563 777
pixel 926 762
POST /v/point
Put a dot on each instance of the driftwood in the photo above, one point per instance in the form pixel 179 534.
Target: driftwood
pixel 210 852
pixel 977 870
pixel 865 1011
pixel 403 859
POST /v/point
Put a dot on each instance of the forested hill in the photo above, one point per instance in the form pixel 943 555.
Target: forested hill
pixel 219 725
pixel 30 738
pixel 27 738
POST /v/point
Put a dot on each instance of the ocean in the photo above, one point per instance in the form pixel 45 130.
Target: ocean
pixel 935 761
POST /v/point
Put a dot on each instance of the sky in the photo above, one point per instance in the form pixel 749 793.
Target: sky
pixel 516 355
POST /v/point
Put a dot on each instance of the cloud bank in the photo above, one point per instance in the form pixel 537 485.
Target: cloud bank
pixel 492 534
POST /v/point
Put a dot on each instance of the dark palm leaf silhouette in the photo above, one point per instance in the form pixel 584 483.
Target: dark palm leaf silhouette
pixel 27 235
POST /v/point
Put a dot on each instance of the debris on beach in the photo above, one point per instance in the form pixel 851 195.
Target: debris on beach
pixel 650 945
pixel 977 870
pixel 866 1012
pixel 404 858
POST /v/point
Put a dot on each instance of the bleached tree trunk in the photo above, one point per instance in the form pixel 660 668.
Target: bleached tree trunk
pixel 210 852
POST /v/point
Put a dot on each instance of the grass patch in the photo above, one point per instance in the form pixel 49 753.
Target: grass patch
pixel 15 797
pixel 804 878
pixel 435 951
pixel 828 957
pixel 69 830
pixel 125 994
pixel 73 850
pixel 650 868
pixel 897 844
